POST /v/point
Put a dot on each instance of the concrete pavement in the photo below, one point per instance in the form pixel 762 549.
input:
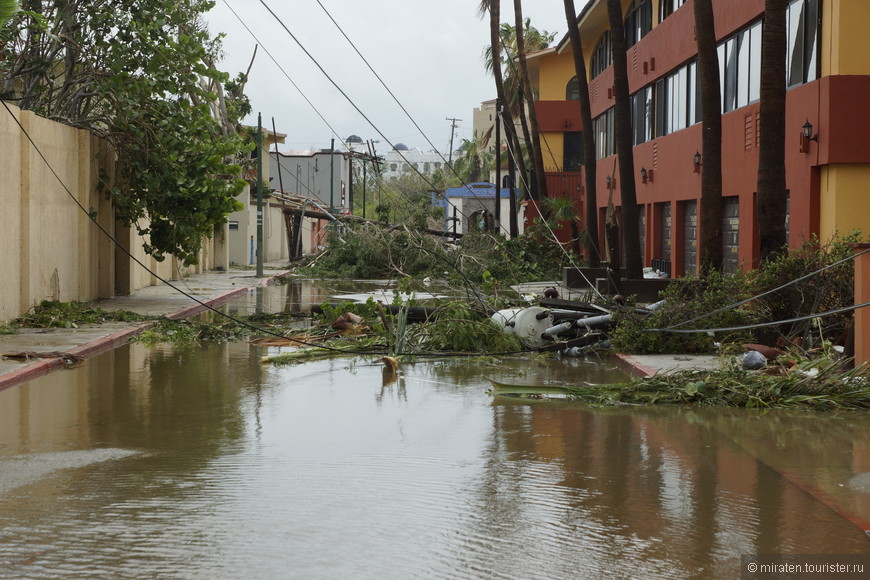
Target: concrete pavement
pixel 210 288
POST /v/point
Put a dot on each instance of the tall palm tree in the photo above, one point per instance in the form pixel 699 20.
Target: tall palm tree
pixel 493 8
pixel 589 169
pixel 515 87
pixel 540 190
pixel 771 192
pixel 711 141
pixel 624 144
pixel 475 162
pixel 7 9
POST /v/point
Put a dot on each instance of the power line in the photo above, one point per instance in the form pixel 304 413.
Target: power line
pixel 205 305
pixel 349 100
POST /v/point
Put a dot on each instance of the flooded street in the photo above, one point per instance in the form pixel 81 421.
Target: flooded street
pixel 205 463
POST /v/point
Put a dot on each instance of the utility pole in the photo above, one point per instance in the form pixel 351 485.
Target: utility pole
pixel 259 195
pixel 332 176
pixel 497 167
pixel 453 120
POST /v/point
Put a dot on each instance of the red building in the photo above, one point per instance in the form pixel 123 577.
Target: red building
pixel 828 72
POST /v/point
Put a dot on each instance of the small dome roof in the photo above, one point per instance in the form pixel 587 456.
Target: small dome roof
pixel 354 139
pixel 401 147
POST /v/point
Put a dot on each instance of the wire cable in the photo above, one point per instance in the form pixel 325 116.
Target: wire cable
pixel 352 103
pixel 757 296
pixel 205 305
pixel 761 324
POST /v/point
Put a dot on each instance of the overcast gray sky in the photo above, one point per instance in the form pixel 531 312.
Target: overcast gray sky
pixel 427 52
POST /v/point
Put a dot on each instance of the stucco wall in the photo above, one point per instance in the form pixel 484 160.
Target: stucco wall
pixel 51 248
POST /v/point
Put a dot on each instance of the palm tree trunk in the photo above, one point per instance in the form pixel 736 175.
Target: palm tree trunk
pixel 771 191
pixel 540 188
pixel 624 144
pixel 589 161
pixel 711 110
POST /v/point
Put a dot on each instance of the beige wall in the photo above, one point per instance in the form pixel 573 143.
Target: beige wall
pixel 51 248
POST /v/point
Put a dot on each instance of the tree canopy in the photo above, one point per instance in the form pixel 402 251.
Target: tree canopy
pixel 142 75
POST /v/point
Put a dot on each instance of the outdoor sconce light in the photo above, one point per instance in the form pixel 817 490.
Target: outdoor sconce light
pixel 646 175
pixel 609 182
pixel 696 162
pixel 807 135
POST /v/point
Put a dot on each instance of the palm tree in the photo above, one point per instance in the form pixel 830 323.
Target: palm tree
pixel 771 192
pixel 7 9
pixel 540 189
pixel 514 87
pixel 624 144
pixel 589 168
pixel 711 140
pixel 493 7
pixel 475 162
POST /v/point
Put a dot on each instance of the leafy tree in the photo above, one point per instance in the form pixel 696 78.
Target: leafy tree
pixel 141 75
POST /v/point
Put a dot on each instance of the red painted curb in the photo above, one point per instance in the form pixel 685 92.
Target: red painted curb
pixel 204 305
pixel 44 366
pixel 633 367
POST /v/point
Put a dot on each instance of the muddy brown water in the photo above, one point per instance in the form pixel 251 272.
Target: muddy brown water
pixel 205 463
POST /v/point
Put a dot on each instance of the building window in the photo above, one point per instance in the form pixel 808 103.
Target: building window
pixel 605 141
pixel 573 150
pixel 642 115
pixel 393 167
pixel 740 68
pixel 803 33
pixel 668 7
pixel 638 23
pixel 677 100
pixel 426 167
pixel 234 226
pixel 572 91
pixel 601 56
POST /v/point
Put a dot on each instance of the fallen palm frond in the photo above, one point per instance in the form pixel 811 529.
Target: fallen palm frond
pixel 820 384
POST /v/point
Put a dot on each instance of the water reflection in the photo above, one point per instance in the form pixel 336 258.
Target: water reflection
pixel 205 463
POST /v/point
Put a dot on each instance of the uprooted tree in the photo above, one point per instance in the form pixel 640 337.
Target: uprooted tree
pixel 142 75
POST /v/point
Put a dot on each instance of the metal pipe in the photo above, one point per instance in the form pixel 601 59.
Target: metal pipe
pixel 554 330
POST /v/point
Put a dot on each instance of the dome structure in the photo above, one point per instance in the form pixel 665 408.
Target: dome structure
pixel 354 139
pixel 401 147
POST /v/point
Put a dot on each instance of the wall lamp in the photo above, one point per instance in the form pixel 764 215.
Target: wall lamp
pixel 646 175
pixel 610 182
pixel 696 162
pixel 807 135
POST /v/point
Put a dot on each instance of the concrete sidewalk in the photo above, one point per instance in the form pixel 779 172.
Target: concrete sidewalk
pixel 647 365
pixel 210 288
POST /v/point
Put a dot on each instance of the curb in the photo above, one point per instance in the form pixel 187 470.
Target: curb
pixel 44 366
pixel 633 367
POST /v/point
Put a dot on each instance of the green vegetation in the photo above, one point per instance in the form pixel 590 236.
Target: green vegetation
pixel 52 314
pixel 690 297
pixel 373 252
pixel 142 75
pixel 821 384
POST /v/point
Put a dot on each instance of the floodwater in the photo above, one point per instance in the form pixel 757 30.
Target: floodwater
pixel 205 463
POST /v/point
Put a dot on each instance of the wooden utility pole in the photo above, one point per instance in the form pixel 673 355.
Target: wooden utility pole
pixel 453 120
pixel 259 195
